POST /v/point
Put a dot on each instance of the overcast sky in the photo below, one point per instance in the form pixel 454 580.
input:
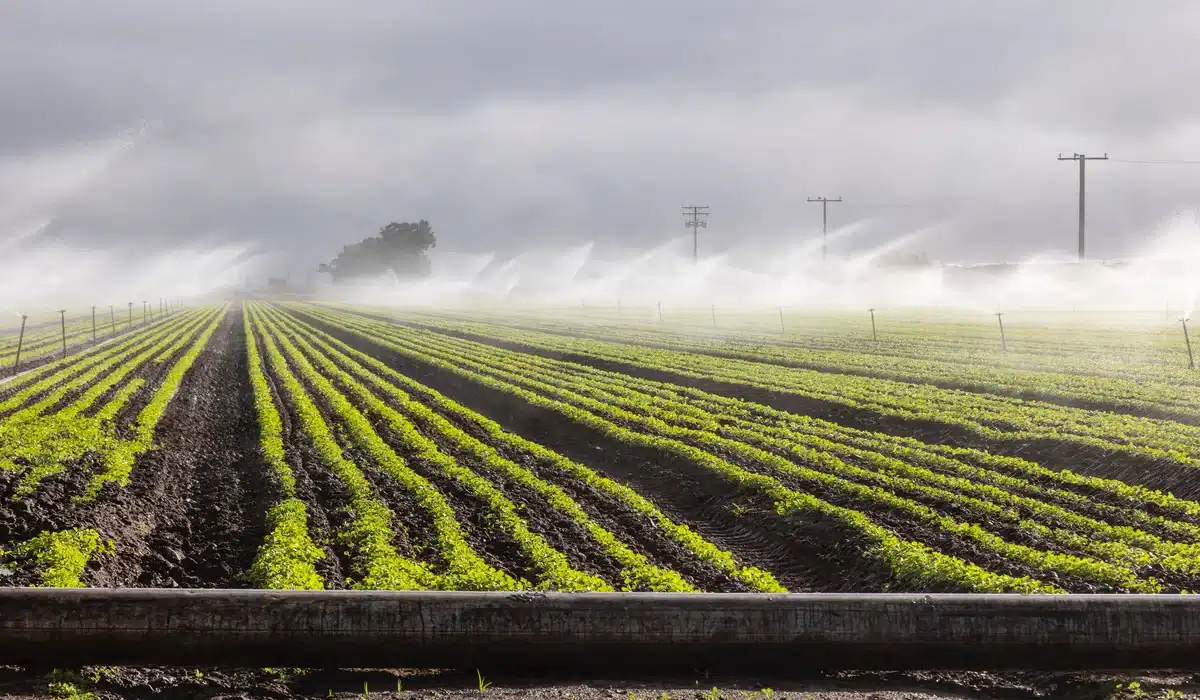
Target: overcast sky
pixel 518 124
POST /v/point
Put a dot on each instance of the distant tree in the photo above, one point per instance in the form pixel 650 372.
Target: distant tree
pixel 400 248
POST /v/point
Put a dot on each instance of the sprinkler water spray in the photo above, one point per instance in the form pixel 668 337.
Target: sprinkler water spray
pixel 874 337
pixel 1003 342
pixel 1188 342
pixel 20 341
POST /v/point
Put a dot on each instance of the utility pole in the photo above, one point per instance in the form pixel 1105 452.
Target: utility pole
pixel 824 219
pixel 1083 159
pixel 695 223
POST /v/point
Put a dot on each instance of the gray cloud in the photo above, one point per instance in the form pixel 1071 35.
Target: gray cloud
pixel 302 125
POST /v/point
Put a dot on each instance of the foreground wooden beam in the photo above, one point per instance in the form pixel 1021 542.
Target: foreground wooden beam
pixel 627 632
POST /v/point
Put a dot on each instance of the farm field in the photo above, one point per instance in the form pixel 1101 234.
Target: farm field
pixel 295 445
pixel 304 445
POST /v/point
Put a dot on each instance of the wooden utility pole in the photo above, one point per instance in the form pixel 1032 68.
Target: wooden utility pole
pixel 695 223
pixel 824 220
pixel 1083 159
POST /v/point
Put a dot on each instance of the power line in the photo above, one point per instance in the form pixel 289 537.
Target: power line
pixel 824 219
pixel 1083 159
pixel 695 224
pixel 1156 162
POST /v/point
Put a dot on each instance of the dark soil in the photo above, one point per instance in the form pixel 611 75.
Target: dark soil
pixel 193 513
pixel 804 554
pixel 1094 404
pixel 496 547
pixel 47 359
pixel 1164 475
pixel 560 532
pixel 185 503
pixel 145 683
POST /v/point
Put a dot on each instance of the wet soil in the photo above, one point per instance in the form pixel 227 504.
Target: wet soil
pixel 804 553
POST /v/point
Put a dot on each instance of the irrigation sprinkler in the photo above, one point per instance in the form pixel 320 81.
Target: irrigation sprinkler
pixel 1003 343
pixel 1188 341
pixel 714 315
pixel 20 341
pixel 62 315
pixel 93 323
pixel 660 312
pixel 131 315
pixel 874 336
pixel 781 319
pixel 112 315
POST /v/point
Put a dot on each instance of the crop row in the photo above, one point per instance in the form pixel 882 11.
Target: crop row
pixel 1175 396
pixel 987 417
pixel 913 563
pixel 39 442
pixel 410 441
pixel 1150 353
pixel 879 471
pixel 75 434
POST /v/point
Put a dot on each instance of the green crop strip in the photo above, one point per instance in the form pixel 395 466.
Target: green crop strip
pixel 368 534
pixel 1114 392
pixel 990 417
pixel 465 569
pixel 359 363
pixel 53 374
pixel 60 557
pixel 118 462
pixel 1009 473
pixel 286 558
pixel 637 572
pixel 1085 352
pixel 912 563
pixel 41 445
pixel 1126 546
pixel 1114 575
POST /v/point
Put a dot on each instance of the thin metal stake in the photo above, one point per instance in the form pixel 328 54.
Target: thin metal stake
pixel 1186 339
pixel 873 335
pixel 20 341
pixel 62 314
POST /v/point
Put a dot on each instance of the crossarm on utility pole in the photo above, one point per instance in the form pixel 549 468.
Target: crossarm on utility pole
pixel 824 220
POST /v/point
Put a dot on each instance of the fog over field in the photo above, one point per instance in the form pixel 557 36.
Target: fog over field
pixel 169 148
